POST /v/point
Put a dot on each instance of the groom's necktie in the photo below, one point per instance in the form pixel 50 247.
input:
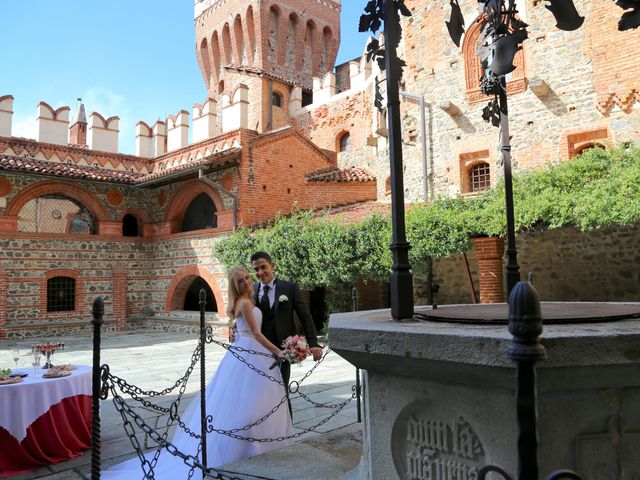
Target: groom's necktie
pixel 264 301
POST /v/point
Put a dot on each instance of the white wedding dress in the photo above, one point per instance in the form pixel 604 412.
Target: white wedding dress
pixel 236 396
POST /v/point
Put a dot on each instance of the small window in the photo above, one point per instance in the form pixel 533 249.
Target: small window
pixel 220 86
pixel 480 177
pixel 61 294
pixel 307 98
pixel 130 226
pixel 276 99
pixel 345 142
pixel 387 186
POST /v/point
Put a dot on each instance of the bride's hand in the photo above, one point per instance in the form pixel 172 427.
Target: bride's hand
pixel 280 354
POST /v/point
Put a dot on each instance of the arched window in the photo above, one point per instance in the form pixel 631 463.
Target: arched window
pixel 480 177
pixel 130 226
pixel 192 297
pixel 55 213
pixel 516 81
pixel 201 213
pixel 61 294
pixel 588 146
pixel 345 142
pixel 276 99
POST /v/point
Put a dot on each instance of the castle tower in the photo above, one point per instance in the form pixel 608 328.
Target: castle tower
pixel 78 128
pixel 280 42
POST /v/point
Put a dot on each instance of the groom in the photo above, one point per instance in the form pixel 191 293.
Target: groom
pixel 278 299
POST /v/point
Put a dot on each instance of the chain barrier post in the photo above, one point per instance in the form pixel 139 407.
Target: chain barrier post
pixel 98 314
pixel 203 383
pixel 354 300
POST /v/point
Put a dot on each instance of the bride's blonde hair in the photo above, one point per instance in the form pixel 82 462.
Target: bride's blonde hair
pixel 234 294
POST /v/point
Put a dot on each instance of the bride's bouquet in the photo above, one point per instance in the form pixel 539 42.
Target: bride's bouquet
pixel 296 349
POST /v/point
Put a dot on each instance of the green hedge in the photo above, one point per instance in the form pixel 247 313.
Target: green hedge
pixel 599 188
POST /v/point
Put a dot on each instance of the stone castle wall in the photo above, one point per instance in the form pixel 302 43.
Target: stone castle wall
pixel 153 273
pixel 572 95
pixel 567 265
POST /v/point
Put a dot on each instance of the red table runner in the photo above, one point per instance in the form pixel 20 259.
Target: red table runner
pixel 60 434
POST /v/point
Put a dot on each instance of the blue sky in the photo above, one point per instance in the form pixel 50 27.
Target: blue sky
pixel 130 58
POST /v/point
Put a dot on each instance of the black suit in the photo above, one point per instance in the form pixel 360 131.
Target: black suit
pixel 279 322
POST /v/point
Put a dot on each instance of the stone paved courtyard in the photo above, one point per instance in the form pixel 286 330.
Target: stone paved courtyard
pixel 155 360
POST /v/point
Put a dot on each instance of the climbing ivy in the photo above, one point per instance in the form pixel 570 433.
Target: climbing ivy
pixel 599 188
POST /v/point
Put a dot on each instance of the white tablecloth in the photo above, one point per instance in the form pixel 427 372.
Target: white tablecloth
pixel 22 403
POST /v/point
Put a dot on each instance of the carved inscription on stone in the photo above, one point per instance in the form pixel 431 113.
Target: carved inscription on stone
pixel 436 450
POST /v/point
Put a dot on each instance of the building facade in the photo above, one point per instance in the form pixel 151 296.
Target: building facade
pixel 280 129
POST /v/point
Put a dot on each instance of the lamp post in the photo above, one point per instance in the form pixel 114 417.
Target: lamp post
pixel 401 277
pixel 513 269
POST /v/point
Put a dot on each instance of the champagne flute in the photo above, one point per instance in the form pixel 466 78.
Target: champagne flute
pixel 16 356
pixel 36 361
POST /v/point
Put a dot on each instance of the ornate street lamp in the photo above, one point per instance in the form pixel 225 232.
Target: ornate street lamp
pixel 386 56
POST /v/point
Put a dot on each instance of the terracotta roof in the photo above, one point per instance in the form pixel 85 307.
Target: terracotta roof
pixel 86 172
pixel 213 158
pixel 353 174
pixel 59 169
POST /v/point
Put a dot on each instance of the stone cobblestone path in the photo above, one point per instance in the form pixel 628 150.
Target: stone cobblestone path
pixel 155 360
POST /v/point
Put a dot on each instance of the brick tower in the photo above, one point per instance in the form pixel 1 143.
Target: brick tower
pixel 268 47
pixel 78 128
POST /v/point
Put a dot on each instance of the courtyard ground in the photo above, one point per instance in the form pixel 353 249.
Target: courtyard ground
pixel 155 360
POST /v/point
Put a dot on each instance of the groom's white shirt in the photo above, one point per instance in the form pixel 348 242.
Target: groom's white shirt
pixel 271 293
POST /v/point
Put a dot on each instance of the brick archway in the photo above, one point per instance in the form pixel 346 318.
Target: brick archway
pixel 181 282
pixel 183 197
pixel 83 195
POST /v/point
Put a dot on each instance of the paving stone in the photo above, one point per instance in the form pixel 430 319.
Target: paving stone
pixel 154 361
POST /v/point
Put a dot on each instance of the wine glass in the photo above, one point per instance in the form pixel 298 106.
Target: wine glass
pixel 16 356
pixel 36 361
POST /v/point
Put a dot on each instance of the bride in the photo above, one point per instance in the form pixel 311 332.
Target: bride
pixel 237 396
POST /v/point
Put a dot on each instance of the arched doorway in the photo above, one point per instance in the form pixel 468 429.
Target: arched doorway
pixel 201 213
pixel 192 297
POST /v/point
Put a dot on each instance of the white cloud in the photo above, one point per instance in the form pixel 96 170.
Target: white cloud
pixel 24 126
pixel 109 104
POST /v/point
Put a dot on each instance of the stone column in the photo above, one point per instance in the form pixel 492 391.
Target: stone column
pixel 4 283
pixel 120 296
pixel 489 252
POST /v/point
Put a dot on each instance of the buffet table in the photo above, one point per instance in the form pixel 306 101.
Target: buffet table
pixel 44 420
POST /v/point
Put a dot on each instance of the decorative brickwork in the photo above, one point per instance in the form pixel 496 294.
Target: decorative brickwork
pixel 183 279
pixel 577 141
pixel 489 252
pixel 120 296
pixel 3 303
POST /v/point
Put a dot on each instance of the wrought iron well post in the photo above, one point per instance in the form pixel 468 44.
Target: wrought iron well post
pixel 513 269
pixel 401 278
pixel 98 314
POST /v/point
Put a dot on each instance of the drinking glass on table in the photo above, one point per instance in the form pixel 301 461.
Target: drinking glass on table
pixel 36 361
pixel 16 356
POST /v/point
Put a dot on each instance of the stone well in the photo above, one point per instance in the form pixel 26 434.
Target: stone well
pixel 439 397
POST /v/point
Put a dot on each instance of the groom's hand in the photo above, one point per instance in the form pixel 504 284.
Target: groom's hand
pixel 316 352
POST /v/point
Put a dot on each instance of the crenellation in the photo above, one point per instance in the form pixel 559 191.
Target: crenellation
pixel 53 125
pixel 6 115
pixel 205 120
pixel 159 138
pixel 144 141
pixel 103 132
pixel 235 109
pixel 177 130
